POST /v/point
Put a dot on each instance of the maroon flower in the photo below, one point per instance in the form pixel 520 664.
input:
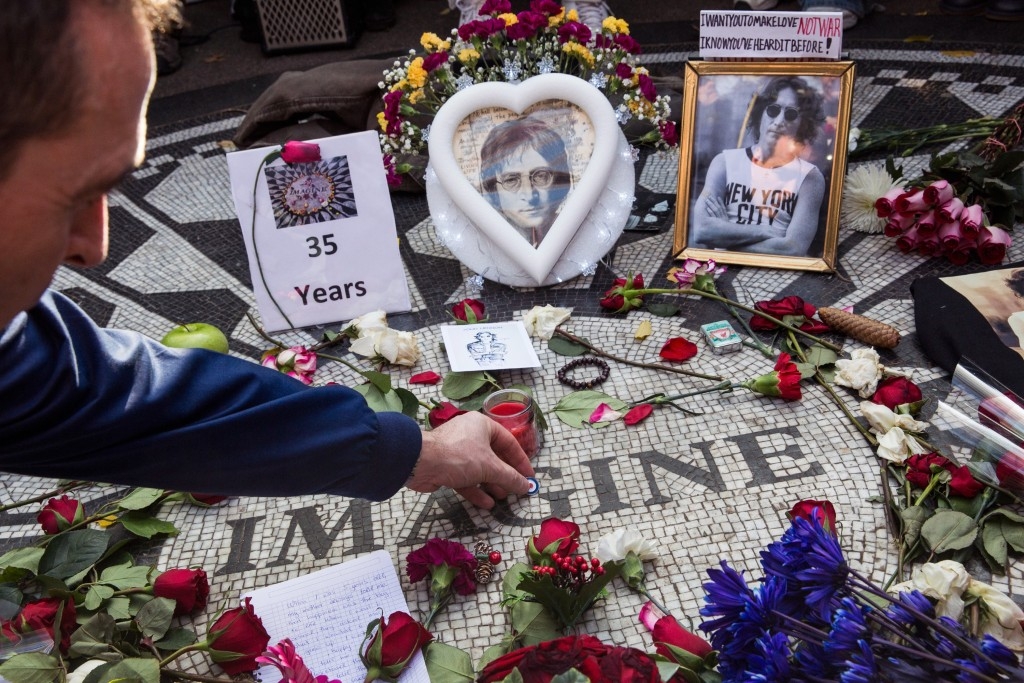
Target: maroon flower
pixel 206 499
pixel 547 7
pixel 441 413
pixel 295 152
pixel 799 312
pixel 469 311
pixel 573 30
pixel 678 349
pixel 542 662
pixel 896 391
pixel 647 88
pixel 627 43
pixel 188 588
pixel 623 70
pixel 396 640
pixel 237 638
pixel 821 511
pixel 393 176
pixel 60 514
pixel 496 7
pixel 448 564
pixel 628 664
pixel 556 536
pixel 528 25
pixel 41 615
pixel 434 60
pixel 669 132
pixel 481 28
pixel 621 297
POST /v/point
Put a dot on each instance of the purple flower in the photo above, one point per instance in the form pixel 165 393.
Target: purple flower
pixel 573 30
pixel 434 60
pixel 448 564
pixel 496 7
pixel 481 29
pixel 546 7
pixel 647 88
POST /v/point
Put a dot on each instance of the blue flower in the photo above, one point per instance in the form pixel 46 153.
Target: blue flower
pixel 726 596
pixel 770 664
pixel 849 629
pixel 910 604
pixel 860 667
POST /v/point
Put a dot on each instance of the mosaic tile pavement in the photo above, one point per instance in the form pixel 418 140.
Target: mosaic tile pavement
pixel 708 486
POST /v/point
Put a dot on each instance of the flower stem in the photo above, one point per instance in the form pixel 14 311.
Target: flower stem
pixel 660 399
pixel 748 309
pixel 642 590
pixel 351 366
pixel 437 603
pixel 653 366
pixel 255 249
pixel 765 350
pixel 43 496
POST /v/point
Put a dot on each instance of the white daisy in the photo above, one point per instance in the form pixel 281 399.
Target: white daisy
pixel 863 186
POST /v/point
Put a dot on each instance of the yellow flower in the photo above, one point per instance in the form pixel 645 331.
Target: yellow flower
pixel 557 19
pixel 108 521
pixel 417 75
pixel 382 121
pixel 509 19
pixel 580 52
pixel 615 25
pixel 431 42
pixel 571 15
pixel 415 96
pixel 400 85
pixel 468 55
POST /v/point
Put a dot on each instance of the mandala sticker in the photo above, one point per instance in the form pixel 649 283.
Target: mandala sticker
pixel 303 194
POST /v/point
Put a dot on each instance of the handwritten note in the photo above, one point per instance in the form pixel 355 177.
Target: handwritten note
pixel 325 615
pixel 730 35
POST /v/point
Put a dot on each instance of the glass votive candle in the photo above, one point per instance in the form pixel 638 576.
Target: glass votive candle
pixel 513 410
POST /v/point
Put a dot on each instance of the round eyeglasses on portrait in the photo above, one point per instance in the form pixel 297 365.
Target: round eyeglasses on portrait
pixel 773 110
pixel 540 179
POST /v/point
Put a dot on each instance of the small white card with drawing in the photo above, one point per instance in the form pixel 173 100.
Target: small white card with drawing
pixel 325 615
pixel 320 235
pixel 489 346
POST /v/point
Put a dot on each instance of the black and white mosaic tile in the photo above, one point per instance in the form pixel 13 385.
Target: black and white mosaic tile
pixel 707 486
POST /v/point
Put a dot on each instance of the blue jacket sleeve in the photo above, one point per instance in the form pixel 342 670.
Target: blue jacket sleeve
pixel 82 402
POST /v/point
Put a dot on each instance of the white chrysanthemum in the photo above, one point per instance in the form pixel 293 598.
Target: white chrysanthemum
pixel 863 186
pixel 615 546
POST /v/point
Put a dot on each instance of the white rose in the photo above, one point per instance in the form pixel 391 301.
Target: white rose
pixel 366 345
pixel 400 348
pixel 860 372
pixel 614 547
pixel 896 446
pixel 1000 615
pixel 541 321
pixel 882 419
pixel 369 323
pixel 944 581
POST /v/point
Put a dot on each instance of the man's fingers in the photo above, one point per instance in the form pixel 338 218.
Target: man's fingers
pixel 477 496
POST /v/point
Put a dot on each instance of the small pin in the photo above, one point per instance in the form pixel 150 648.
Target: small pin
pixel 534 487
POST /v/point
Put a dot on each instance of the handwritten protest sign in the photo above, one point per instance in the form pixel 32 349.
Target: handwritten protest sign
pixel 791 36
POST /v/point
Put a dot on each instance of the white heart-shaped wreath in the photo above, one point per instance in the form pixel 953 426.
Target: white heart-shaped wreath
pixel 607 181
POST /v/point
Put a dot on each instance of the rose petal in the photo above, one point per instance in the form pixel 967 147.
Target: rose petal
pixel 678 349
pixel 638 413
pixel 428 377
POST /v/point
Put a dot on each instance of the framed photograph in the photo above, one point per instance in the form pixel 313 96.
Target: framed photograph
pixel 762 157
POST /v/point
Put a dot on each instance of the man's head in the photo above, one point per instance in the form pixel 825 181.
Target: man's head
pixel 75 76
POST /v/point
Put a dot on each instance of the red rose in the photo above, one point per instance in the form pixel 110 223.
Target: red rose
pixel 782 382
pixel 41 615
pixel 205 499
pixel 393 644
pixel 1010 471
pixel 620 298
pixel 295 152
pixel 440 414
pixel 1003 412
pixel 919 468
pixel 542 662
pixel 187 587
pixel 791 306
pixel 963 482
pixel 237 638
pixel 628 664
pixel 896 391
pixel 678 349
pixel 60 514
pixel 556 536
pixel 667 631
pixel 821 511
pixel 469 311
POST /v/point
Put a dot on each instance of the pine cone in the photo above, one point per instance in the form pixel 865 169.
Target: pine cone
pixel 860 328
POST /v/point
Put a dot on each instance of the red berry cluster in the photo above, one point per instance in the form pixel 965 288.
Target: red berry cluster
pixel 571 573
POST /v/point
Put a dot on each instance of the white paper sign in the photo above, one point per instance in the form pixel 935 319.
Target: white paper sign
pixel 322 246
pixel 489 346
pixel 726 35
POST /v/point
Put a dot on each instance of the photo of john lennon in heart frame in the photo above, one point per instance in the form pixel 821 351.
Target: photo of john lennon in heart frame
pixel 761 162
pixel 525 165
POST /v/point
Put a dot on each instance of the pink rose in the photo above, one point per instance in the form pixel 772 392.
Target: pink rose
pixel 886 204
pixel 951 210
pixel 993 242
pixel 961 254
pixel 972 218
pixel 950 236
pixel 938 193
pixel 928 223
pixel 907 242
pixel 295 152
pixel 911 201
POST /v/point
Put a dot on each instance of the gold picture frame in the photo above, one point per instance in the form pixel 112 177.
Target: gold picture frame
pixel 757 139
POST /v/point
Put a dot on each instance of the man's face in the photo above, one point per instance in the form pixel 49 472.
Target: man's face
pixel 528 192
pixel 55 197
pixel 780 120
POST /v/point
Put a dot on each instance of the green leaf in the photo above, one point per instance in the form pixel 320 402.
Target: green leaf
pixel 914 518
pixel 566 347
pixel 176 638
pixel 949 530
pixel 22 558
pixel 533 623
pixel 410 402
pixel 140 499
pixel 1012 527
pixel 31 667
pixel 379 402
pixel 379 380
pixel 663 310
pixel 93 637
pixel 10 601
pixel 459 385
pixel 994 543
pixel 127 576
pixel 95 596
pixel 570 676
pixel 567 606
pixel 145 525
pixel 119 608
pixel 145 669
pixel 155 617
pixel 576 408
pixel 447 664
pixel 818 355
pixel 508 643
pixel 807 370
pixel 72 552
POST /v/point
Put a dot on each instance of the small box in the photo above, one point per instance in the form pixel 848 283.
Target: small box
pixel 721 337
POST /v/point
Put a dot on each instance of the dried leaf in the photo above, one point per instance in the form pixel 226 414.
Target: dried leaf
pixel 643 330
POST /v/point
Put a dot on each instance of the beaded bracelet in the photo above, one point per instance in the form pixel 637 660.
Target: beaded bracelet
pixel 602 375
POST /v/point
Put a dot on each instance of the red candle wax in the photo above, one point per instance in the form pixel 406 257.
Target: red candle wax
pixel 518 420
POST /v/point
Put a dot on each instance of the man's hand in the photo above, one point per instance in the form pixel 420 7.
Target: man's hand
pixel 475 456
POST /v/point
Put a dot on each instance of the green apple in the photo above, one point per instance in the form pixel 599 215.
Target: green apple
pixel 196 336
